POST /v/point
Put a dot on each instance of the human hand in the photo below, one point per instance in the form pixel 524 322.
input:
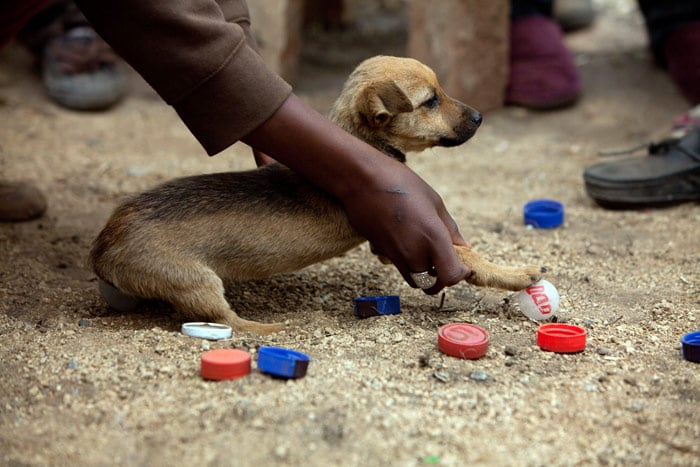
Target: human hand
pixel 385 201
pixel 262 159
pixel 406 221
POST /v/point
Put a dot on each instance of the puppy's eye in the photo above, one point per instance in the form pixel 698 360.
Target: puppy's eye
pixel 432 102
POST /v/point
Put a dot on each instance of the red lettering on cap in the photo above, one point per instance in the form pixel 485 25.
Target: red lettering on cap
pixel 540 299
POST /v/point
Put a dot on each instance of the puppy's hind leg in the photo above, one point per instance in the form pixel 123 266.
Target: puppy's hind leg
pixel 201 298
pixel 487 274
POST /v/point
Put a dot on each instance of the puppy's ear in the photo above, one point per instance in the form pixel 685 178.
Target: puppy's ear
pixel 379 102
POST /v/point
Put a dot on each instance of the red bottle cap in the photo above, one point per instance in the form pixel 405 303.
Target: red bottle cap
pixel 463 340
pixel 561 338
pixel 225 364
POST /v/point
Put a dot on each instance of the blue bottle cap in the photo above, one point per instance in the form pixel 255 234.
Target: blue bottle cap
pixel 283 363
pixel 544 213
pixel 375 306
pixel 691 346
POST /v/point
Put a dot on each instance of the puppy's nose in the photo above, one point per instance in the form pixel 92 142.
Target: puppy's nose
pixel 475 118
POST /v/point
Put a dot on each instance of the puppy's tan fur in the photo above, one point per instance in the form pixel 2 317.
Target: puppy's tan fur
pixel 178 241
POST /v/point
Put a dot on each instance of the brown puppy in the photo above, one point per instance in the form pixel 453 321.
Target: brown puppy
pixel 177 242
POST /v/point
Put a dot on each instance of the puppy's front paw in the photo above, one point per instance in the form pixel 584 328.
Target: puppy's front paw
pixel 534 275
pixel 507 278
pixel 486 274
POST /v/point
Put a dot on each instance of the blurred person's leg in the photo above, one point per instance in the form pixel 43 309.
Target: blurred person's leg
pixel 14 14
pixel 78 69
pixel 543 73
pixel 18 201
pixel 670 171
pixel 674 37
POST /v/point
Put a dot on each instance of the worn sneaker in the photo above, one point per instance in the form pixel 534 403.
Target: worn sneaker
pixel 81 72
pixel 20 202
pixel 543 74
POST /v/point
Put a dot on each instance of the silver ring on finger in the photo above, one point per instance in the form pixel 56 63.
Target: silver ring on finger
pixel 424 280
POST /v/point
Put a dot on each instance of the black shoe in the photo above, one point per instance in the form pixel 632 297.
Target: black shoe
pixel 669 174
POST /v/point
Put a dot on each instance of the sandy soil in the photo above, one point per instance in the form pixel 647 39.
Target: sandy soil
pixel 84 385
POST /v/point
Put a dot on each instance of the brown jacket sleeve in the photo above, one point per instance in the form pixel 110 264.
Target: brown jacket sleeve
pixel 199 56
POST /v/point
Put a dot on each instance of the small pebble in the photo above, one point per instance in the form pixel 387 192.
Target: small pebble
pixel 281 452
pixel 478 376
pixel 442 376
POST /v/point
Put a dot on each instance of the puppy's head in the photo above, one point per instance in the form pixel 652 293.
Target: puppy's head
pixel 397 105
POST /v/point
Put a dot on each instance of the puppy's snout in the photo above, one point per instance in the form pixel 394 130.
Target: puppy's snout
pixel 474 118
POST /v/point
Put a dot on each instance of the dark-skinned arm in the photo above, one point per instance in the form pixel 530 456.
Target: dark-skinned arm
pixel 403 218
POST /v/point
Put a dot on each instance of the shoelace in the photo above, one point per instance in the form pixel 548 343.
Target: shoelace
pixel 656 148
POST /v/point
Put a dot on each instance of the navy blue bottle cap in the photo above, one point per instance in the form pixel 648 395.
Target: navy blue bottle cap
pixel 375 306
pixel 544 213
pixel 283 363
pixel 691 346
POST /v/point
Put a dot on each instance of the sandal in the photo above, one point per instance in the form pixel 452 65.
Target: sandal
pixel 670 174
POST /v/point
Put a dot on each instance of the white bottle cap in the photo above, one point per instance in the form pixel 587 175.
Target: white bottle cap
pixel 212 331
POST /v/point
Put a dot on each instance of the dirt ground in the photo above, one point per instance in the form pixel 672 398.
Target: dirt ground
pixel 85 385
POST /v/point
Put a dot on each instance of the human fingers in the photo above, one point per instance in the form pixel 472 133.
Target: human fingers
pixel 424 254
pixel 445 265
pixel 452 227
pixel 262 159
